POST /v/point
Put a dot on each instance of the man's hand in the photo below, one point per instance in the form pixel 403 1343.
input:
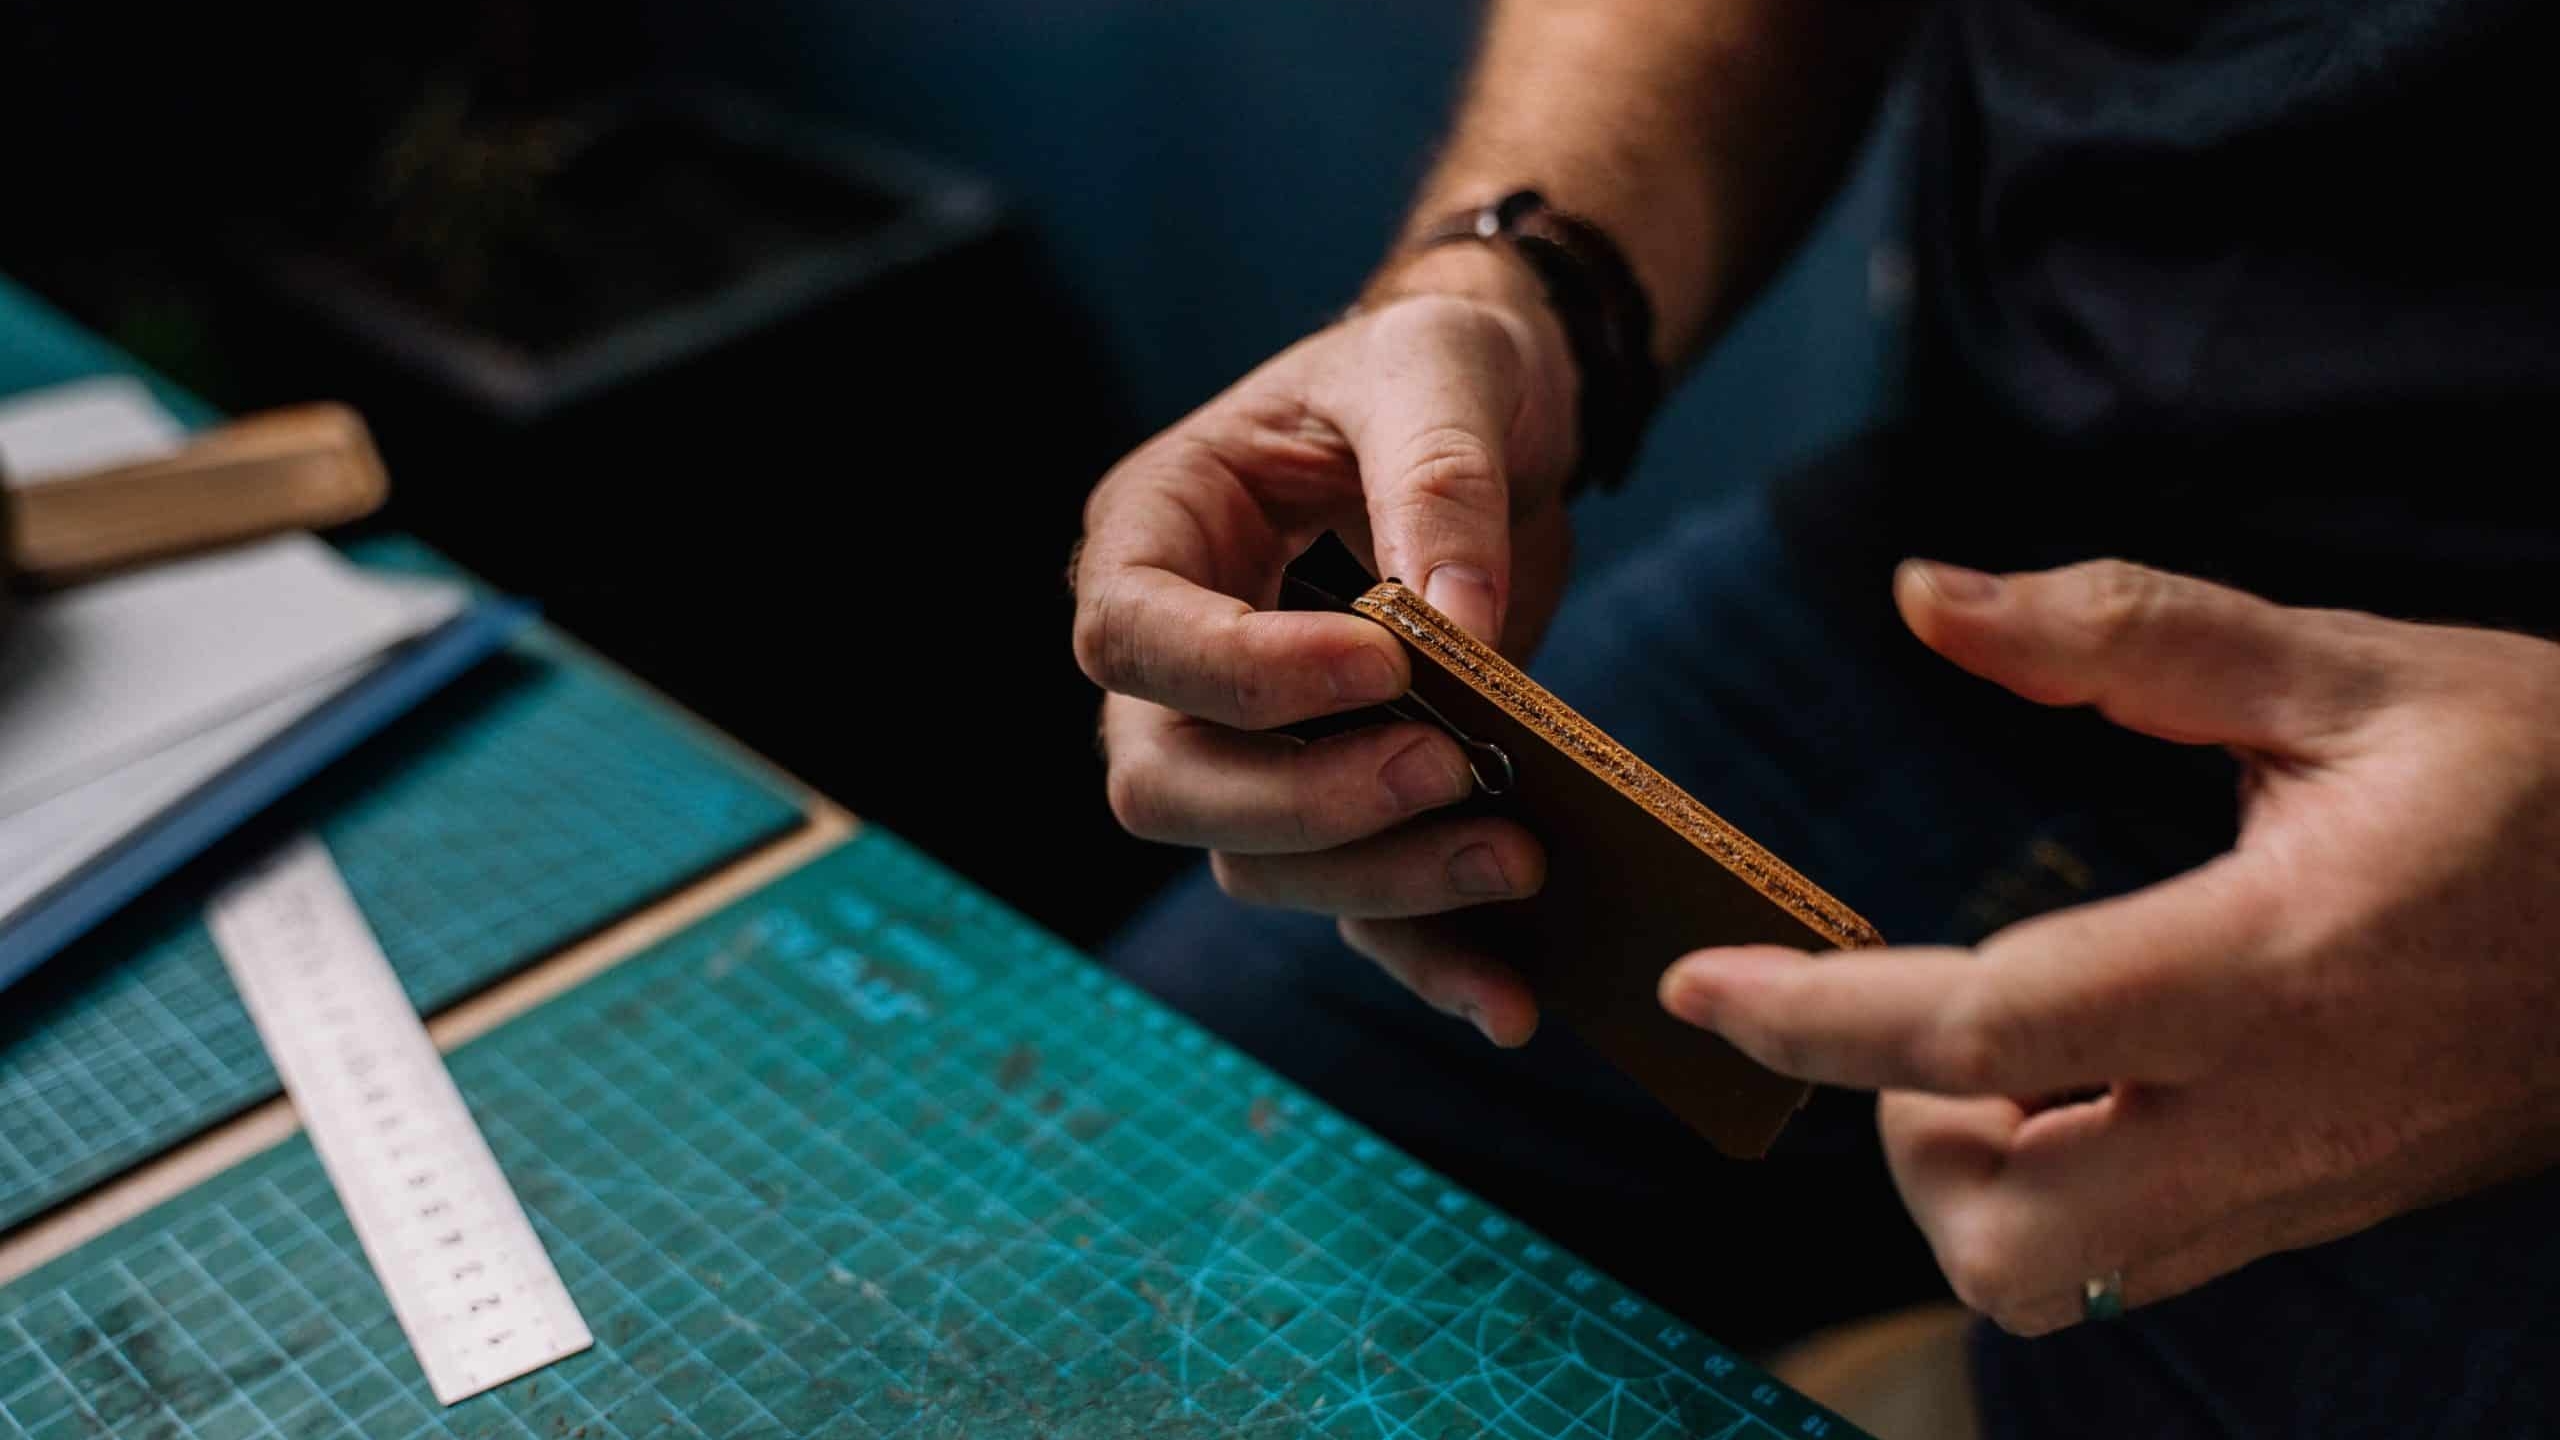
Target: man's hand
pixel 1433 431
pixel 1702 138
pixel 2353 1014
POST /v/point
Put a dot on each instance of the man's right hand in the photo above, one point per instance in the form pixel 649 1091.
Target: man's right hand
pixel 1433 431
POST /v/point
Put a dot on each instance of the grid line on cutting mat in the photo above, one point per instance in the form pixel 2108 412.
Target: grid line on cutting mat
pixel 539 799
pixel 865 1156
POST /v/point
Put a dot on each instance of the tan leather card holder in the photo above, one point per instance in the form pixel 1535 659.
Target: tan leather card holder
pixel 1638 872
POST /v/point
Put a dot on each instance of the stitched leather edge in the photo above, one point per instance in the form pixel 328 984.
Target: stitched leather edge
pixel 1525 700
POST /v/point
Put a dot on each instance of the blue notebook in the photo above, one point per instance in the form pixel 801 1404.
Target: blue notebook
pixel 405 675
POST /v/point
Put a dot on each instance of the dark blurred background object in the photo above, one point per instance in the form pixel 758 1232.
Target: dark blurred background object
pixel 730 332
pixel 725 389
pixel 726 332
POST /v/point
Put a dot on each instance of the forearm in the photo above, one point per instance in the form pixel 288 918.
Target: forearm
pixel 1702 135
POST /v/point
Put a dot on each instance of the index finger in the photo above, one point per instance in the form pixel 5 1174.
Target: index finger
pixel 2144 987
pixel 1156 617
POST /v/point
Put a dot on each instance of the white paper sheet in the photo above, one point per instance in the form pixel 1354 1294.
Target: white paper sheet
pixel 47 843
pixel 108 673
pixel 86 425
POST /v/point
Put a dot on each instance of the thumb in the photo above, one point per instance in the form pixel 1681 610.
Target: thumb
pixel 1430 424
pixel 2167 655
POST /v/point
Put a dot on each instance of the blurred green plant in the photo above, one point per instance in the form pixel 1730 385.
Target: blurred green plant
pixel 456 187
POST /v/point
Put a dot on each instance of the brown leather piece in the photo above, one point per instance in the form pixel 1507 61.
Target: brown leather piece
pixel 1638 874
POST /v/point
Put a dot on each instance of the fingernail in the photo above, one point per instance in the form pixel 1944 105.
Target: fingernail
pixel 1954 583
pixel 1476 873
pixel 1681 994
pixel 1464 594
pixel 1425 775
pixel 1363 677
pixel 1473 1014
pixel 1689 986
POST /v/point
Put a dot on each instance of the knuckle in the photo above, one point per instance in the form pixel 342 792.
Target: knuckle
pixel 1093 640
pixel 1136 802
pixel 1326 797
pixel 2119 599
pixel 1104 648
pixel 1252 698
pixel 2367 654
pixel 1236 875
pixel 1448 465
pixel 1967 1050
pixel 1307 824
pixel 1262 683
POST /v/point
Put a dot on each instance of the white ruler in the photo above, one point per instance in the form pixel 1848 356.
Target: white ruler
pixel 466 1274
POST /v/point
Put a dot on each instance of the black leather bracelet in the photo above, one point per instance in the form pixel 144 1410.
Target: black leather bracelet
pixel 1608 321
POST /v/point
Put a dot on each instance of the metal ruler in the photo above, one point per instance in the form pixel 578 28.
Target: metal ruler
pixel 467 1277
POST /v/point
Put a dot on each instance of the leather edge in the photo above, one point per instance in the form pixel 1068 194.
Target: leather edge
pixel 1391 604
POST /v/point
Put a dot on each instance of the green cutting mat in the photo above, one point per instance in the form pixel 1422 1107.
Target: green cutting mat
pixel 864 1155
pixel 539 799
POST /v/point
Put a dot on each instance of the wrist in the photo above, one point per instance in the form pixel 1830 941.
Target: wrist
pixel 1476 272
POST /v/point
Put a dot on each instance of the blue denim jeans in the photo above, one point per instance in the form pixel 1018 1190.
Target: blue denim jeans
pixel 1774 682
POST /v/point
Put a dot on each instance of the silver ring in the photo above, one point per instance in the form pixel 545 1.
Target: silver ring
pixel 2102 1298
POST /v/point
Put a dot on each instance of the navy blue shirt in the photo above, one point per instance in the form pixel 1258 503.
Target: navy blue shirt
pixel 2193 217
pixel 2266 290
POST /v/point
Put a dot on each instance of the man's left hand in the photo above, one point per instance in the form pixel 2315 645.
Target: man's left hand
pixel 2352 1014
